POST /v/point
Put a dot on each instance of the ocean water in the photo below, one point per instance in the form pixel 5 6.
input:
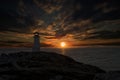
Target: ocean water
pixel 105 57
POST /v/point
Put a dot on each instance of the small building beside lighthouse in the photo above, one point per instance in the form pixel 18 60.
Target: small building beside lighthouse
pixel 36 44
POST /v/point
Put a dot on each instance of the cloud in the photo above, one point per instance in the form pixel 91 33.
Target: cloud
pixel 49 6
pixel 105 7
pixel 101 30
pixel 73 20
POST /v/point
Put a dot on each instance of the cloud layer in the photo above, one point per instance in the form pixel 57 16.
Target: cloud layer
pixel 59 20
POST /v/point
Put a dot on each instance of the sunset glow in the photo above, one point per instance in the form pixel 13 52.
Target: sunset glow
pixel 71 21
pixel 62 44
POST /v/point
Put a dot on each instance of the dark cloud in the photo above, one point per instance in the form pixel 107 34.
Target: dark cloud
pixel 15 44
pixel 104 35
pixel 101 30
pixel 59 18
pixel 11 42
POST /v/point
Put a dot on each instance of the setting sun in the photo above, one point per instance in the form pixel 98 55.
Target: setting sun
pixel 63 44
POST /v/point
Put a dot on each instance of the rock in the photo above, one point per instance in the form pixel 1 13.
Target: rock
pixel 1 78
pixel 113 75
pixel 110 75
pixel 57 77
pixel 47 66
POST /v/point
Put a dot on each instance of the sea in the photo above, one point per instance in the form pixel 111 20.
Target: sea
pixel 105 57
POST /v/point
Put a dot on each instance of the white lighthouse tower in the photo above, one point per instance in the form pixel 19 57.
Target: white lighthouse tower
pixel 36 45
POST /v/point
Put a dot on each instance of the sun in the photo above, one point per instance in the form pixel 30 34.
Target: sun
pixel 62 44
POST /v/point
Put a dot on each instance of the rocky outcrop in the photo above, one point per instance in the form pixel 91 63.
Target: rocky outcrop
pixel 44 66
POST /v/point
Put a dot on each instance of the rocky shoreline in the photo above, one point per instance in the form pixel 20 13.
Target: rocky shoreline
pixel 44 66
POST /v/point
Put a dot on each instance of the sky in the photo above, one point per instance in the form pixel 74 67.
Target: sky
pixel 76 22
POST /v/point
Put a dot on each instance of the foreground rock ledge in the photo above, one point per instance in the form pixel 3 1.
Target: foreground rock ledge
pixel 44 66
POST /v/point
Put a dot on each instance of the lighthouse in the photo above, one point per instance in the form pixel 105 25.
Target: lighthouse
pixel 36 44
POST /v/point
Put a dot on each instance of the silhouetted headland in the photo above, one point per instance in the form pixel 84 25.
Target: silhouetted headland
pixel 44 66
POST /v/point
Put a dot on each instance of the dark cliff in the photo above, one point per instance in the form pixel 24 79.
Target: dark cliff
pixel 44 66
